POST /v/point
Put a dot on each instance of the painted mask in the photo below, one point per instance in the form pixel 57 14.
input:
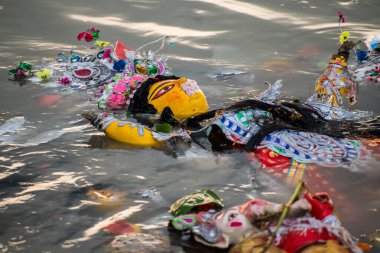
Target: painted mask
pixel 229 227
pixel 182 96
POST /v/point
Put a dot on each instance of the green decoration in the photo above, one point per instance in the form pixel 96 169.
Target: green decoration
pixel 188 203
pixel 164 128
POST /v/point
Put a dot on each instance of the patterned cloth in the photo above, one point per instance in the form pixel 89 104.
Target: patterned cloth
pixel 308 147
pixel 240 126
pixel 303 147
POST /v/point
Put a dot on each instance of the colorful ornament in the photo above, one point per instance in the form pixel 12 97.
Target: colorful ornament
pixel 361 55
pixel 334 83
pixel 89 35
pixel 374 75
pixel 184 222
pixel 119 65
pixel 102 44
pixel 344 36
pixel 44 74
pixel 117 94
pixel 61 57
pixel 199 201
pixel 373 42
pixel 140 61
pixel 121 51
pixel 64 80
pixel 106 54
pixel 341 18
pixel 22 71
pixel 164 128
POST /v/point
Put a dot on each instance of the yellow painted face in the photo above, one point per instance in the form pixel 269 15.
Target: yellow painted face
pixel 182 96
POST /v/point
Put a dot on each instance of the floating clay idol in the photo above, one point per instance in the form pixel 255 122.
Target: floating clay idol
pixel 293 130
pixel 337 80
pixel 309 227
pixel 176 97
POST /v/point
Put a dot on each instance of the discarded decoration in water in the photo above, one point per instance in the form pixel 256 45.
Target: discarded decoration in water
pixel 140 242
pixel 89 35
pixel 369 68
pixel 120 227
pixel 304 225
pixel 281 134
pixel 106 197
pixel 292 130
pixel 100 68
pixel 337 80
pixel 21 72
pixel 138 81
pixel 198 201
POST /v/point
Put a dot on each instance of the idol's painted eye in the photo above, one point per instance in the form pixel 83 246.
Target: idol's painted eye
pixel 232 216
pixel 163 91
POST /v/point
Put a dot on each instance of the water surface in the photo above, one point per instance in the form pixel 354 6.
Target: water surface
pixel 43 204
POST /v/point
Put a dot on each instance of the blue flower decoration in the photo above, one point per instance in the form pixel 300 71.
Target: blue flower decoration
pixel 361 55
pixel 119 65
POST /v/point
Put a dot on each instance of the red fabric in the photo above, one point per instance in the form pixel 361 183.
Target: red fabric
pixel 271 159
pixel 293 241
pixel 321 205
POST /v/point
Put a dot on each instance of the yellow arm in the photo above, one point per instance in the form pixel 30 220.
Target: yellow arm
pixel 131 133
pixel 123 131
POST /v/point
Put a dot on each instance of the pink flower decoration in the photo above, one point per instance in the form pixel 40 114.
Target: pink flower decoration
pixel 341 18
pixel 119 88
pixel 116 101
pixel 106 54
pixel 64 80
pixel 123 82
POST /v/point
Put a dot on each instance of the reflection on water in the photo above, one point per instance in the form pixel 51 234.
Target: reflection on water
pixel 50 157
pixel 145 27
pixel 259 12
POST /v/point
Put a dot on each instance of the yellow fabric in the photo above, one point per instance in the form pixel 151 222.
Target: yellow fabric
pixel 182 105
pixel 130 135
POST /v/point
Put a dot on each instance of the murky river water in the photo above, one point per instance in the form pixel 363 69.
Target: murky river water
pixel 43 204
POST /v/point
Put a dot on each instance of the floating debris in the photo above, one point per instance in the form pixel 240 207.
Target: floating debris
pixel 122 227
pixel 138 243
pixel 105 197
